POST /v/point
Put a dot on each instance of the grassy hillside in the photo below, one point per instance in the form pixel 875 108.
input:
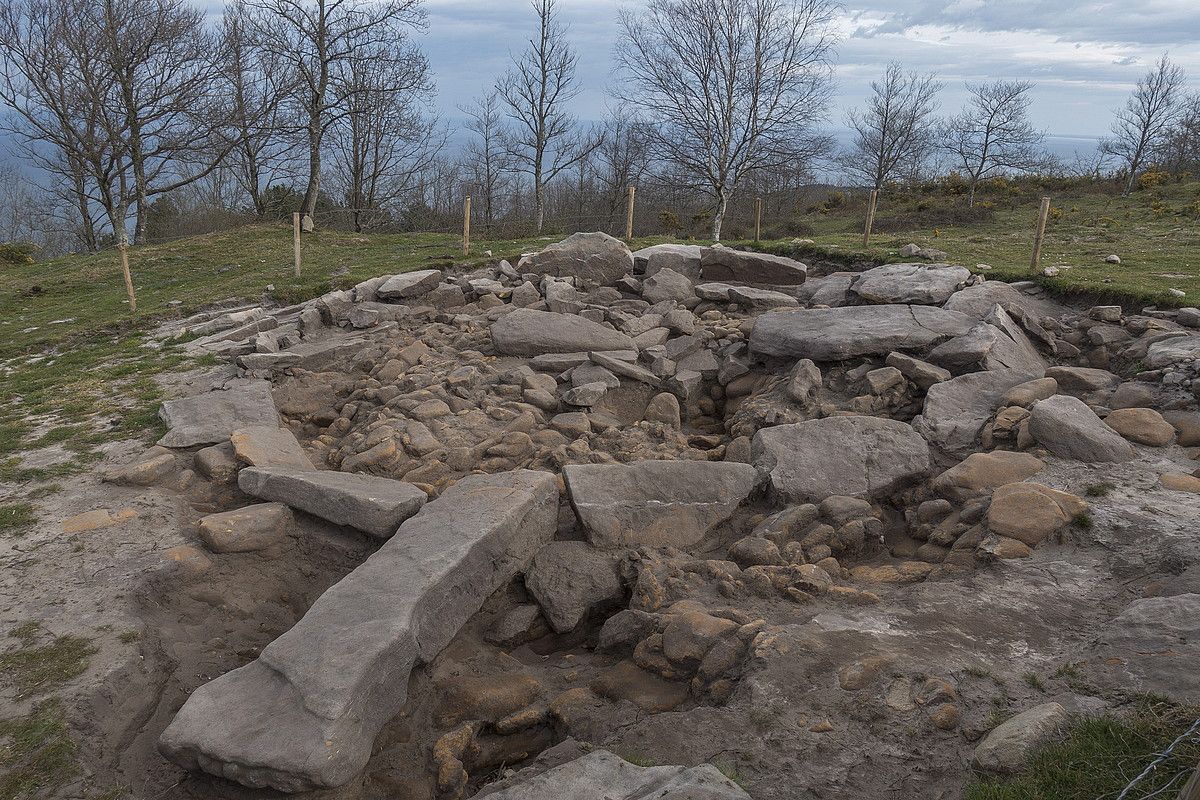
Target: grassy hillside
pixel 1156 233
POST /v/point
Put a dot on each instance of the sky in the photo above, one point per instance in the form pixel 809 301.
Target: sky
pixel 1084 57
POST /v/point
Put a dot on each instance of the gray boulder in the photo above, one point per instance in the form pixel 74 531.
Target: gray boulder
pixel 1173 351
pixel 211 417
pixel 656 503
pixel 682 258
pixel 569 579
pixel 409 284
pixel 594 257
pixel 1007 747
pixel 600 775
pixel 837 334
pixel 369 503
pixel 997 343
pixel 1067 427
pixel 305 714
pixel 738 266
pixel 751 297
pixel 924 284
pixel 667 284
pixel 850 456
pixel 956 410
pixel 526 332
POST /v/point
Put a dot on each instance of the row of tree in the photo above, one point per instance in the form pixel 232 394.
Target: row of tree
pixel 137 107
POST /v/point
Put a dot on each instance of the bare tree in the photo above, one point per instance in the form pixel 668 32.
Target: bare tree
pixel 1180 150
pixel 47 57
pixel 487 155
pixel 1146 118
pixel 992 134
pixel 895 131
pixel 314 40
pixel 729 86
pixel 621 159
pixel 382 142
pixel 536 90
pixel 256 86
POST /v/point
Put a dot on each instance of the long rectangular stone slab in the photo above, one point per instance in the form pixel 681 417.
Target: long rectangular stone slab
pixel 211 417
pixel 304 715
pixel 836 334
pixel 369 503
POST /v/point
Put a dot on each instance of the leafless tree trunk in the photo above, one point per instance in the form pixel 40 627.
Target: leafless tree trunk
pixel 382 142
pixel 1146 118
pixel 728 86
pixel 895 130
pixel 536 88
pixel 315 41
pixel 487 155
pixel 992 134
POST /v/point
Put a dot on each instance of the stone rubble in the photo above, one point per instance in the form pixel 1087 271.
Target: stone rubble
pixel 611 485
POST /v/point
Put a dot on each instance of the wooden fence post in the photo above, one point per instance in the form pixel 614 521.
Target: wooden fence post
pixel 296 241
pixel 629 213
pixel 467 225
pixel 1043 215
pixel 757 218
pixel 870 217
pixel 124 248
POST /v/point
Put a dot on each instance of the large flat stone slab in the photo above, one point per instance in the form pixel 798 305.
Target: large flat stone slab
pixel 409 284
pixel 212 417
pixel 600 775
pixel 369 503
pixel 956 410
pixel 656 503
pixel 924 284
pixel 835 334
pixel 850 456
pixel 526 332
pixel 739 266
pixel 304 715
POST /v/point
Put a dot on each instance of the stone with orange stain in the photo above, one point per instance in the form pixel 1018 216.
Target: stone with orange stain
pixel 94 520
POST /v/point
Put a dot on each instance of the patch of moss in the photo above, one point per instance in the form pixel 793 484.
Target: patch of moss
pixel 16 518
pixel 37 754
pixel 33 669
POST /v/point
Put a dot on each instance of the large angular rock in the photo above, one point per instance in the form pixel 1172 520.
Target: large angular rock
pixel 738 266
pixel 600 775
pixel 569 579
pixel 656 503
pixel 1065 426
pixel 850 456
pixel 305 714
pixel 996 343
pixel 594 257
pixel 247 529
pixel 836 334
pixel 526 332
pixel 1007 747
pixel 956 410
pixel 682 258
pixel 1173 351
pixel 268 446
pixel 1152 647
pixel 923 284
pixel 667 284
pixel 369 503
pixel 211 417
pixel 409 284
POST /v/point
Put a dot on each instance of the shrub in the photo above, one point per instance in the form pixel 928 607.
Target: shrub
pixel 17 252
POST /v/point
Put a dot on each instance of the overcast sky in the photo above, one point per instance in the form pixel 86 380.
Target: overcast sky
pixel 1083 56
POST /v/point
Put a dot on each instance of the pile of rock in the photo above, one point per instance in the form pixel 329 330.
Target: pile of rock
pixel 653 459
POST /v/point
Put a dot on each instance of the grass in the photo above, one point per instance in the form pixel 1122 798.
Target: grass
pixel 1101 755
pixel 37 754
pixel 31 669
pixel 1155 231
pixel 16 518
pixel 1100 489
